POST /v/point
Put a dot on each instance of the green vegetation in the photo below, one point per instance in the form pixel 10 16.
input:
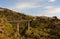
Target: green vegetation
pixel 33 28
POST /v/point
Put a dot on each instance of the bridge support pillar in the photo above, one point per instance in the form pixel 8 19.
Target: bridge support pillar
pixel 18 29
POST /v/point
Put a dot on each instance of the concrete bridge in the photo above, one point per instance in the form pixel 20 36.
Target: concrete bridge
pixel 18 24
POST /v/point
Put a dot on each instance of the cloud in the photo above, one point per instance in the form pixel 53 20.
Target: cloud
pixel 26 6
pixel 48 7
pixel 37 7
pixel 51 11
pixel 51 0
pixel 31 1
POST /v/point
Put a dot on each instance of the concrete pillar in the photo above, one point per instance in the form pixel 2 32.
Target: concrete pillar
pixel 18 29
pixel 29 25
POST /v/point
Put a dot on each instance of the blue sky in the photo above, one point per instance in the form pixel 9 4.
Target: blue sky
pixel 33 7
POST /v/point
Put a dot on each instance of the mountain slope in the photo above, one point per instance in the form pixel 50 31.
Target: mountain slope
pixel 33 28
pixel 12 15
pixel 5 28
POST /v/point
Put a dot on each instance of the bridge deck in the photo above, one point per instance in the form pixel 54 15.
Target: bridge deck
pixel 19 21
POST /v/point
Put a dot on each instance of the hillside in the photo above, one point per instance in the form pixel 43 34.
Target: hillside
pixel 5 28
pixel 21 26
pixel 12 15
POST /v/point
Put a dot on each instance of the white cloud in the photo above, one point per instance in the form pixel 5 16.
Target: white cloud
pixel 54 11
pixel 51 0
pixel 26 6
pixel 31 4
pixel 48 7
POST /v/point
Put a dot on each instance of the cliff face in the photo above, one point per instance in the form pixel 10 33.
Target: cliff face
pixel 21 26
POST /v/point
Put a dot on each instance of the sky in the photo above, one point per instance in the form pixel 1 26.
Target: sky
pixel 33 7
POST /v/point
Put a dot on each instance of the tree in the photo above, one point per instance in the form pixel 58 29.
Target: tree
pixel 54 17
